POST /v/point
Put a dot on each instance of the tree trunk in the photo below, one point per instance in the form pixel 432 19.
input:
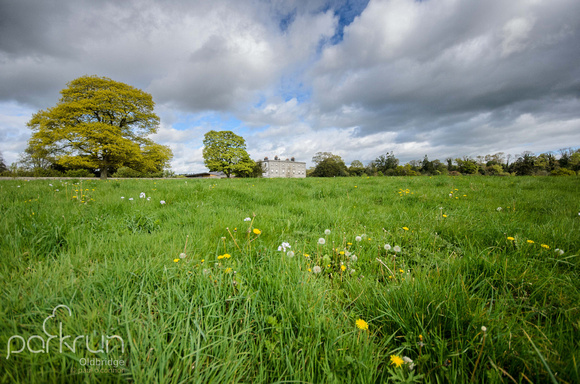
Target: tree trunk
pixel 104 169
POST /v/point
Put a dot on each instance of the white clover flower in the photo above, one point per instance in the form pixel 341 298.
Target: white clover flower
pixel 499 209
pixel 354 258
pixel 321 241
pixel 130 199
pixel 440 208
pixel 316 269
pixel 387 247
pixel 56 190
pixel 283 246
pixel 327 231
pixel 122 197
pixel 397 248
pixel 50 185
pixel 149 198
pixel 290 254
pixel 409 362
pixel 358 238
pixel 162 202
pixel 559 251
pixel 247 219
pixel 142 195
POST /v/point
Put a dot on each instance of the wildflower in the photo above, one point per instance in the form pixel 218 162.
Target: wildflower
pixel 50 185
pixel 409 362
pixel 354 258
pixel 362 325
pixel 396 361
pixel 306 255
pixel 405 228
pixel 363 235
pixel 444 215
pixel 545 246
pixel 498 209
pixel 321 241
pixel 142 195
pixel 149 199
pixel 182 255
pixel 510 238
pixel 400 270
pixel 397 248
pixel 122 197
pixel 343 267
pixel 387 247
pixel 283 246
pixel 327 231
pixel 290 254
pixel 130 199
pixel 257 231
pixel 316 269
pixel 348 243
pixel 451 195
pixel 206 271
pixel 358 238
pixel 228 270
pixel 162 202
pixel 247 219
pixel 484 328
pixel 175 260
pixel 440 208
pixel 530 241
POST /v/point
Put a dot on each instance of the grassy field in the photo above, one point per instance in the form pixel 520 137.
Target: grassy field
pixel 480 284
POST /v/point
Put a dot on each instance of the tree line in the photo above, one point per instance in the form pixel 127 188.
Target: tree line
pixel 567 163
pixel 101 127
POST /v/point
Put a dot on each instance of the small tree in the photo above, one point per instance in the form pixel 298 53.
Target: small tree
pixel 2 165
pixel 224 151
pixel 330 166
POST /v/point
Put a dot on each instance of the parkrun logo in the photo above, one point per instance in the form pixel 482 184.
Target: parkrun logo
pixel 43 345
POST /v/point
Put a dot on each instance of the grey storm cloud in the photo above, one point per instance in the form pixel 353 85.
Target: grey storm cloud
pixel 360 78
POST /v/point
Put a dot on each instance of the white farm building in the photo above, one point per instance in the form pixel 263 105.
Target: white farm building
pixel 288 168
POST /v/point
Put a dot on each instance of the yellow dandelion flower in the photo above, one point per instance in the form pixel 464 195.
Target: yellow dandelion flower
pixel 175 260
pixel 444 215
pixel 306 255
pixel 530 241
pixel 343 267
pixel 545 246
pixel 348 243
pixel 257 231
pixel 405 228
pixel 228 270
pixel 400 270
pixel 227 256
pixel 510 238
pixel 362 325
pixel 309 270
pixel 396 361
pixel 341 252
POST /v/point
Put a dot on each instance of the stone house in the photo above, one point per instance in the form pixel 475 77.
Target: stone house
pixel 289 168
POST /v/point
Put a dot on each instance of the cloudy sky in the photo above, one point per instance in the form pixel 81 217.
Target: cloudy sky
pixel 293 77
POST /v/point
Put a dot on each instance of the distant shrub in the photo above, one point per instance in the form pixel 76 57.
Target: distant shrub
pixel 563 172
pixel 454 173
pixel 79 173
pixel 127 172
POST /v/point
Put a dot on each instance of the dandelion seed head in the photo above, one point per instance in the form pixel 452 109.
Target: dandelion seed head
pixel 321 241
pixel 182 255
pixel 484 328
pixel 354 258
pixel 290 254
pixel 387 247
pixel 397 248
pixel 316 269
pixel 327 231
pixel 358 238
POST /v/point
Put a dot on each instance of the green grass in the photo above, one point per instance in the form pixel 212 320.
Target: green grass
pixel 261 316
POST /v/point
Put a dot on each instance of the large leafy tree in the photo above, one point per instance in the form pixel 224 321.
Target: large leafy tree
pixel 99 124
pixel 224 151
pixel 328 165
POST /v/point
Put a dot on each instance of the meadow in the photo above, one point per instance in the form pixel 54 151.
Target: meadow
pixel 346 280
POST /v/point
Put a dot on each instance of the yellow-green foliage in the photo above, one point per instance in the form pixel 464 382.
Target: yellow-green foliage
pixel 100 124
